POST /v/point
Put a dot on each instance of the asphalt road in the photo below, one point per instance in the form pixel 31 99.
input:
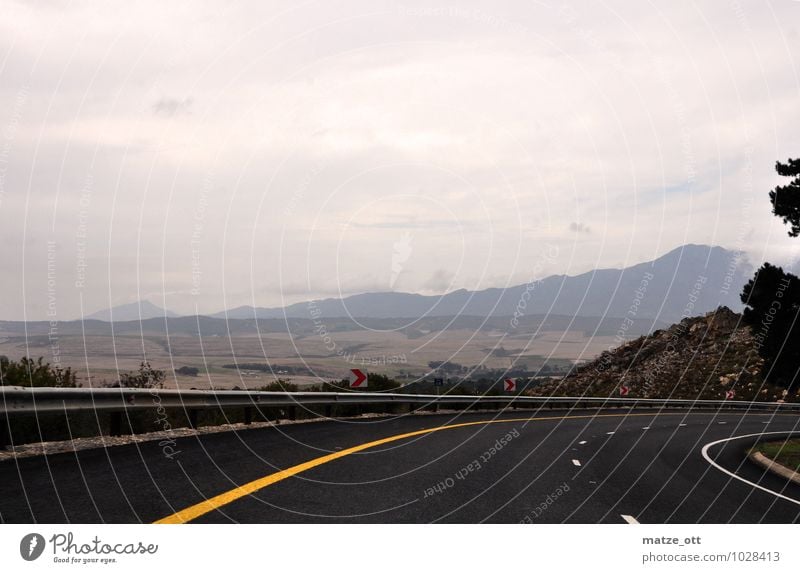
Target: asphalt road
pixel 581 466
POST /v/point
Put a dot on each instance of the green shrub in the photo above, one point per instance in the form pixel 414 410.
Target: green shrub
pixel 35 374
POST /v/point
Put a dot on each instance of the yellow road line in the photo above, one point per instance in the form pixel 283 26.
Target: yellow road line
pixel 212 503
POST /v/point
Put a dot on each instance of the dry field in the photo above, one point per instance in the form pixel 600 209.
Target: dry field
pixel 99 357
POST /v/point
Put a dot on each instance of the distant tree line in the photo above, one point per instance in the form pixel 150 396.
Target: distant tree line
pixel 187 371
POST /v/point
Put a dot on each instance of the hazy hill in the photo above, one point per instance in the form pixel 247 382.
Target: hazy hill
pixel 140 310
pixel 300 327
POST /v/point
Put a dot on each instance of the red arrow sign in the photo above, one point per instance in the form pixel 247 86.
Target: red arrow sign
pixel 623 390
pixel 511 384
pixel 358 379
pixel 729 394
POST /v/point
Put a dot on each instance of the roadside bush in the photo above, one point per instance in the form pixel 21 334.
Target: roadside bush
pixel 145 377
pixel 279 386
pixel 35 374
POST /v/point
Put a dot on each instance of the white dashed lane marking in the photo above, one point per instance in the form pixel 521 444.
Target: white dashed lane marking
pixel 630 519
pixel 576 462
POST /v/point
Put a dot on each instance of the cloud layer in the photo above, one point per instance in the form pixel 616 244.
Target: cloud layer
pixel 205 155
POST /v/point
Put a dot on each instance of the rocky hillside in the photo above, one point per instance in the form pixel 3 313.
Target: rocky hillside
pixel 699 358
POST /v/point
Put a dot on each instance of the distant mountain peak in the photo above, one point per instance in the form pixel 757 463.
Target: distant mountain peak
pixel 139 310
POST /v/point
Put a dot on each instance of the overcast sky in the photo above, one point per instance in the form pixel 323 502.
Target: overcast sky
pixel 206 155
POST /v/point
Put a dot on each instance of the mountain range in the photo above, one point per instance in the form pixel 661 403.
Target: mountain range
pixel 687 281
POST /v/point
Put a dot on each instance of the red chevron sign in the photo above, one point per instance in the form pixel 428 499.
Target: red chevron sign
pixel 358 379
pixel 510 384
pixel 623 390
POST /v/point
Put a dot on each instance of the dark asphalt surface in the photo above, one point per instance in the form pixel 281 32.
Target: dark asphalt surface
pixel 655 475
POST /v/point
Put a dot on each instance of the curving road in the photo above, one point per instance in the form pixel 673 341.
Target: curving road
pixel 580 466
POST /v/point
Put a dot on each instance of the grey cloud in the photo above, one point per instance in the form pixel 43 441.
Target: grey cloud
pixel 170 107
pixel 579 228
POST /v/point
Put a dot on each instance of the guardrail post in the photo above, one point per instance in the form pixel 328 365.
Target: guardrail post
pixel 328 411
pixel 115 424
pixel 193 419
pixel 248 416
pixel 292 413
pixel 5 433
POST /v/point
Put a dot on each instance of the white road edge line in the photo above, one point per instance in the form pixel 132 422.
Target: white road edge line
pixel 576 462
pixel 629 518
pixel 705 449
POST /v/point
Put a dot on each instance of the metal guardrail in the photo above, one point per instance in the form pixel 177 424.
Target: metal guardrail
pixel 20 401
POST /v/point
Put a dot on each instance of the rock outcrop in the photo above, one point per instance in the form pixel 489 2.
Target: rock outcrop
pixel 701 357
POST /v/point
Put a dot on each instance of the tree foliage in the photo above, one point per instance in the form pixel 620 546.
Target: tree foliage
pixel 35 373
pixel 279 386
pixel 446 366
pixel 786 198
pixel 187 371
pixel 772 299
pixel 145 377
